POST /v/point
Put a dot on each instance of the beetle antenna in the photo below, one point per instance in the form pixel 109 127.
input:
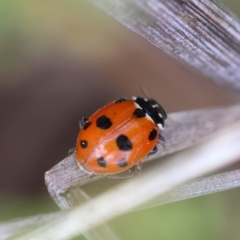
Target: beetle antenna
pixel 144 92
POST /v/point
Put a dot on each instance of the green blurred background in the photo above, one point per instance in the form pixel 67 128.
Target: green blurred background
pixel 60 60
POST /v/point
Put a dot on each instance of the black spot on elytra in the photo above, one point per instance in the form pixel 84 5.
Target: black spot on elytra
pixel 139 113
pixel 102 162
pixel 123 143
pixel 104 122
pixel 83 144
pixel 86 125
pixel 152 134
pixel 122 162
pixel 120 100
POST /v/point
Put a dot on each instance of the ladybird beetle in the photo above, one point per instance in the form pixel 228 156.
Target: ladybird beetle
pixel 119 135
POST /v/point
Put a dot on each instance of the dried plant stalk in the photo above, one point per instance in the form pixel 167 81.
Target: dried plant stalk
pixel 191 128
pixel 203 34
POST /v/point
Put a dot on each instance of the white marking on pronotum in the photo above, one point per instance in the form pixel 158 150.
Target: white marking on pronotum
pixel 160 115
pixel 160 126
pixel 147 116
pixel 155 105
pixel 134 98
pixel 145 99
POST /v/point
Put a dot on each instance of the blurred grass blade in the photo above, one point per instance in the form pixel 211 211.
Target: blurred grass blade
pixel 217 152
pixel 203 186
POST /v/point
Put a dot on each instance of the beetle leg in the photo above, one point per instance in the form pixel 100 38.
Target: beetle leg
pixel 161 139
pixel 82 121
pixel 71 151
pixel 154 150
